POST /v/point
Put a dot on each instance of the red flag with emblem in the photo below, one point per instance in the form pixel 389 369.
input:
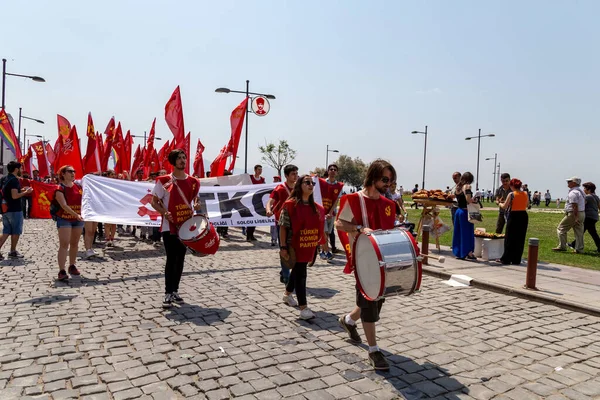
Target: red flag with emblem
pixel 127 145
pixel 25 161
pixel 174 118
pixel 109 136
pixel 137 161
pixel 163 156
pixel 50 155
pixel 118 145
pixel 92 155
pixel 198 161
pixel 42 196
pixel 42 160
pixel 69 153
pixel 217 167
pixel 236 121
pixel 64 130
pixel 150 143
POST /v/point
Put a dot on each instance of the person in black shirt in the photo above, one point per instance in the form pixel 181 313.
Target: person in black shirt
pixel 12 219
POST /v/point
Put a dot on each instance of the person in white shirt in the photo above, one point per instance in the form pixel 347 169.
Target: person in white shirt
pixel 547 197
pixel 574 217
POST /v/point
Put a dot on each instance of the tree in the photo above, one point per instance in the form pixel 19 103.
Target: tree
pixel 351 171
pixel 320 172
pixel 277 156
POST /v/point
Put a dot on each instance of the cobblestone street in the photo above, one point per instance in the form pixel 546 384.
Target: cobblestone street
pixel 105 335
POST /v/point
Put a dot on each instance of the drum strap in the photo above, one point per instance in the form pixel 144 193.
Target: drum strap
pixel 180 191
pixel 363 210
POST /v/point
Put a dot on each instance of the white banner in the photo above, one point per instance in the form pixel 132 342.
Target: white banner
pixel 116 201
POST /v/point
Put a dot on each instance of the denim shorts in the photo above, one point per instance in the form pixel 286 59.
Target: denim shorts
pixel 68 223
pixel 12 223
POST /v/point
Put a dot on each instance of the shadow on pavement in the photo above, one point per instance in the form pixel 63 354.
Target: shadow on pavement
pixel 197 315
pixel 48 299
pixel 321 293
pixel 323 321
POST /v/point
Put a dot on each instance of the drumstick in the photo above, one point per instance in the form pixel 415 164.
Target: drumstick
pixel 441 259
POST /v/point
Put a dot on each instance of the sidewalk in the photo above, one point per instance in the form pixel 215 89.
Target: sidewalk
pixel 564 286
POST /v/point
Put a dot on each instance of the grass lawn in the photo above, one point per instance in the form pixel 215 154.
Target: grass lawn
pixel 542 225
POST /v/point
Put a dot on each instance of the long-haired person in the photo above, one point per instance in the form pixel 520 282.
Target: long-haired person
pixel 110 229
pixel 301 228
pixel 68 221
pixel 463 238
pixel 515 205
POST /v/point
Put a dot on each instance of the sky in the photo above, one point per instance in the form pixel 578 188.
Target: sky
pixel 357 76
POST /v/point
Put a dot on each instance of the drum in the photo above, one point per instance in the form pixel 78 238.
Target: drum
pixel 385 263
pixel 199 235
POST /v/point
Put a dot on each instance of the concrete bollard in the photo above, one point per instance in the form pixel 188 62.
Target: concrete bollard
pixel 532 260
pixel 425 244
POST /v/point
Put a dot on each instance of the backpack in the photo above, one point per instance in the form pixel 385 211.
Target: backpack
pixel 54 206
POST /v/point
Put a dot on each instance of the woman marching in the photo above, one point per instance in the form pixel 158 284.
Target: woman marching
pixel 301 222
pixel 516 225
pixel 68 221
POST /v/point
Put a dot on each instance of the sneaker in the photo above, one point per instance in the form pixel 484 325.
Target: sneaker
pixel 351 329
pixel 253 239
pixel 329 256
pixel 89 254
pixel 289 300
pixel 378 361
pixel 323 255
pixel 306 314
pixel 62 275
pixel 176 298
pixel 168 301
pixel 73 271
pixel 15 254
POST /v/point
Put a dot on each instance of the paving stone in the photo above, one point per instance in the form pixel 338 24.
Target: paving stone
pixel 133 393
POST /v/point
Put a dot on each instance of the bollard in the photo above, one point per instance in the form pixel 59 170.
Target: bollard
pixel 532 260
pixel 425 244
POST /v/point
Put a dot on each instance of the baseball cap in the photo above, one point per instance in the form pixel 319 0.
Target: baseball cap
pixel 574 179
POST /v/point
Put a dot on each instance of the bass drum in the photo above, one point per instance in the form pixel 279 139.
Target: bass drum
pixel 199 235
pixel 385 264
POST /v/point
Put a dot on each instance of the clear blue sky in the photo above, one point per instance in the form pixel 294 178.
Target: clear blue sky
pixel 359 76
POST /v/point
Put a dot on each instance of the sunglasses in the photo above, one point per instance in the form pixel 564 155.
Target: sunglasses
pixel 385 179
pixel 308 183
pixel 70 170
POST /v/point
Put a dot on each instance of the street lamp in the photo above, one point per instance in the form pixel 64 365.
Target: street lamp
pixel 39 121
pixel 247 93
pixel 138 136
pixel 4 73
pixel 495 161
pixel 424 154
pixel 25 137
pixel 478 137
pixel 327 156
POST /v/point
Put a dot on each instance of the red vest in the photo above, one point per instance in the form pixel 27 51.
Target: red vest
pixel 307 228
pixel 258 181
pixel 329 193
pixel 180 208
pixel 280 194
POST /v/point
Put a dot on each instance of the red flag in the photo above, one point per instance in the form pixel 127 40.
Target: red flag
pixel 100 148
pixel 92 155
pixel 217 167
pixel 25 161
pixel 150 144
pixel 163 156
pixel 64 130
pixel 109 135
pixel 187 153
pixel 174 118
pixel 50 156
pixel 154 162
pixel 42 159
pixel 8 135
pixel 137 161
pixel 43 193
pixel 198 161
pixel 127 145
pixel 69 153
pixel 237 121
pixel 118 145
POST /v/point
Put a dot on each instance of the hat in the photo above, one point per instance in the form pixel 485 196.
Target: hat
pixel 575 180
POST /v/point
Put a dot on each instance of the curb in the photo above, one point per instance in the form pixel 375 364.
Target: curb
pixel 519 292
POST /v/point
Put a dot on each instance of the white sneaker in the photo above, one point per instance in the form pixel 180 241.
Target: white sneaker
pixel 89 254
pixel 306 314
pixel 289 300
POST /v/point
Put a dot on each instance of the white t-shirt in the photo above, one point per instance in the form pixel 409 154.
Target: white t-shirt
pixel 576 196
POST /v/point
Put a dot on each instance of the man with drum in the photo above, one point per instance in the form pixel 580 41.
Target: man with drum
pixel 380 214
pixel 172 197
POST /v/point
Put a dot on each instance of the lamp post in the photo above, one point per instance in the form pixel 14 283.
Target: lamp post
pixel 39 121
pixel 4 74
pixel 138 136
pixel 327 156
pixel 424 154
pixel 37 136
pixel 478 137
pixel 495 161
pixel 247 92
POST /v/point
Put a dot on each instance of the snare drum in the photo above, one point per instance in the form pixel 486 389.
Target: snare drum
pixel 199 235
pixel 385 264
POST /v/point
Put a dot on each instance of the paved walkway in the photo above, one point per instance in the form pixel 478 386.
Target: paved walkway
pixel 560 284
pixel 105 336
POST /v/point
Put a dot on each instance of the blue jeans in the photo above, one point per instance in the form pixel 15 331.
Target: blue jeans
pixel 285 272
pixel 12 223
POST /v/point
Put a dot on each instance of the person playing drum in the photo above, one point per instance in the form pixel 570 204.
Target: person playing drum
pixel 172 196
pixel 380 214
pixel 301 222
